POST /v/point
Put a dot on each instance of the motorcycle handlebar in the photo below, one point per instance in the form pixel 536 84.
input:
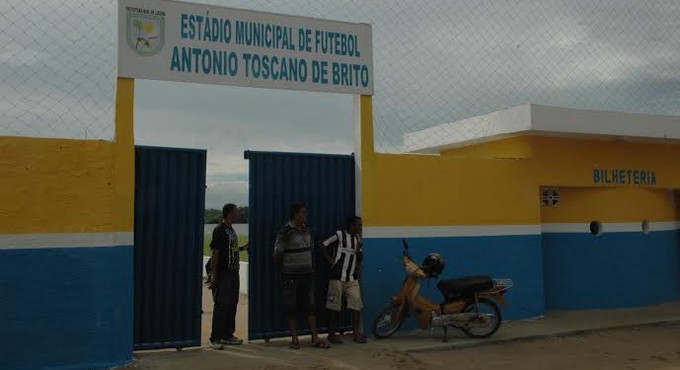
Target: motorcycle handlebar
pixel 405 243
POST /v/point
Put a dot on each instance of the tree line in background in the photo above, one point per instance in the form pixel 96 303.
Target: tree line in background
pixel 214 216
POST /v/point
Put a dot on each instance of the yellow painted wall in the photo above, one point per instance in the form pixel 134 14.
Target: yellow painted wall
pixel 70 186
pixel 612 204
pixel 411 190
pixel 499 183
pixel 570 162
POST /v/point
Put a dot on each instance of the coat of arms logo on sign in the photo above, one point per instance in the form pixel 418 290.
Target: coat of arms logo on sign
pixel 145 30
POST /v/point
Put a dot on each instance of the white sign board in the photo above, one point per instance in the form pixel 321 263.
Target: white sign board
pixel 177 41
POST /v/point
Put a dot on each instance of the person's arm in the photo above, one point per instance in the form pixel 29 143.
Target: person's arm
pixel 218 239
pixel 327 248
pixel 360 250
pixel 208 269
pixel 331 240
pixel 280 245
pixel 214 267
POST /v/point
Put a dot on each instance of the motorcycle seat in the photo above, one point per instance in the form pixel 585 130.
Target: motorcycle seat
pixel 464 287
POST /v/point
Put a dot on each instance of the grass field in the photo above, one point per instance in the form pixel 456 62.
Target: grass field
pixel 241 239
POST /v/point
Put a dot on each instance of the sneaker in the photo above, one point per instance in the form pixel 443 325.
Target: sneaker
pixel 216 345
pixel 231 341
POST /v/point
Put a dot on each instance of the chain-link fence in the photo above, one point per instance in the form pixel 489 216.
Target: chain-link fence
pixel 441 61
pixel 435 61
pixel 57 68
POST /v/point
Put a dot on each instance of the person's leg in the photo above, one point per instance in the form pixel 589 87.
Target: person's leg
pixel 354 303
pixel 334 305
pixel 358 332
pixel 232 304
pixel 311 319
pixel 292 325
pixel 289 296
pixel 308 303
pixel 219 309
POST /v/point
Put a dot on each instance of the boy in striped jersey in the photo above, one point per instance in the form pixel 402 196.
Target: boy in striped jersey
pixel 344 278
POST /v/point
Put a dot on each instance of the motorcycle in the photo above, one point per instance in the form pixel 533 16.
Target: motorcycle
pixel 469 304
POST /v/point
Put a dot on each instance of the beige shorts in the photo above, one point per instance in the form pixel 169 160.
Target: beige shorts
pixel 351 291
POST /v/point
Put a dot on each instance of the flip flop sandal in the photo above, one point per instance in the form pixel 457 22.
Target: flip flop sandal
pixel 294 345
pixel 335 339
pixel 360 340
pixel 321 344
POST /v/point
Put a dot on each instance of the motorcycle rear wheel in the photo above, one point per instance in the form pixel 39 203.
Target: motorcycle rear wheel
pixel 389 320
pixel 485 305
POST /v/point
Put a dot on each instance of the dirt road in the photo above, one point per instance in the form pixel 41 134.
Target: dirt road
pixel 649 348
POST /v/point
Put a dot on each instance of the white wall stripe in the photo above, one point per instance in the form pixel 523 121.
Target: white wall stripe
pixel 579 227
pixel 449 231
pixel 65 240
pixel 609 227
pixel 508 230
pixel 663 226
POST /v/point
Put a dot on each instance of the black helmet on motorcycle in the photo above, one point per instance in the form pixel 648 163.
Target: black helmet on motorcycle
pixel 433 264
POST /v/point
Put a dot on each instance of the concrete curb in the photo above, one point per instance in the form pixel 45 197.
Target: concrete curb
pixel 552 334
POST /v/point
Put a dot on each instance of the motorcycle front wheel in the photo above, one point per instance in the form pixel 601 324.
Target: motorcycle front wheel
pixel 490 310
pixel 387 322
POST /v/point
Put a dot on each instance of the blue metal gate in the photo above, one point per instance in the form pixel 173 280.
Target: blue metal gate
pixel 326 184
pixel 169 212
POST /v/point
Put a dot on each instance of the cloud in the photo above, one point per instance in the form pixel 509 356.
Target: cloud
pixel 218 194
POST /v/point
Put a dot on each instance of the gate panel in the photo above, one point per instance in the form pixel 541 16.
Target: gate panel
pixel 169 213
pixel 325 183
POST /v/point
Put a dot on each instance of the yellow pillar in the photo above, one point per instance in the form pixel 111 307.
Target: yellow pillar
pixel 366 117
pixel 124 168
pixel 364 152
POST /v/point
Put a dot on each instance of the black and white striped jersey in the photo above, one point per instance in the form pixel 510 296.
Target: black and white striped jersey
pixel 347 252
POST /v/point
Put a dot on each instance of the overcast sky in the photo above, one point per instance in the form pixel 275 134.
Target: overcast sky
pixel 435 61
pixel 229 120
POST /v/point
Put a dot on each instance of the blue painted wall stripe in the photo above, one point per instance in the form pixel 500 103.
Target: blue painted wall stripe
pixel 66 307
pixel 563 270
pixel 613 270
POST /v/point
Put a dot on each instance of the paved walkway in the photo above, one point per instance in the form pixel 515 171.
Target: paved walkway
pixel 555 324
pixel 612 349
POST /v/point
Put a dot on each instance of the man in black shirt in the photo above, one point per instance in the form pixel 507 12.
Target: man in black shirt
pixel 224 279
